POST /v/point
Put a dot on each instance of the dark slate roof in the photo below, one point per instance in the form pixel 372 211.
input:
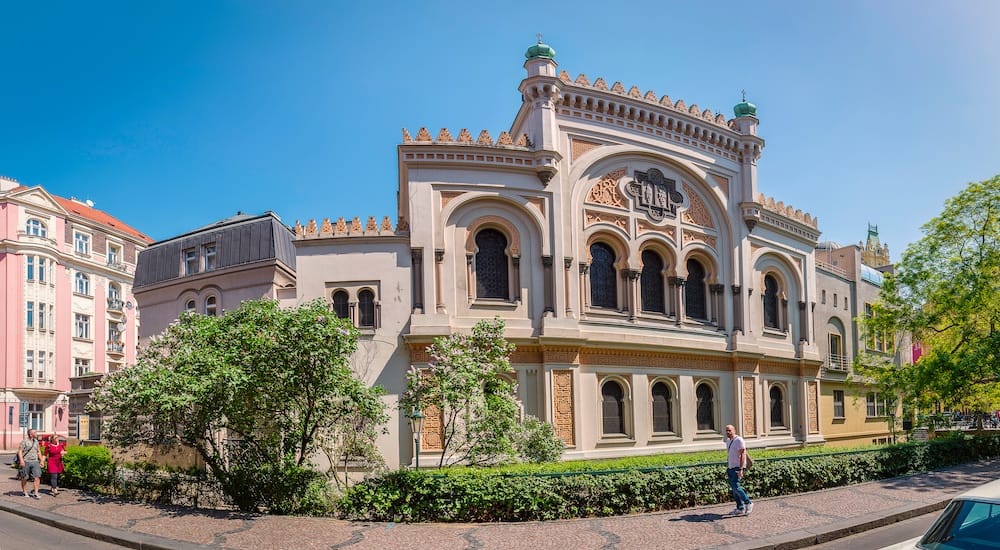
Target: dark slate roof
pixel 241 239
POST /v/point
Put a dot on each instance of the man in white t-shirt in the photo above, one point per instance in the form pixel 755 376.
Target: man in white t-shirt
pixel 734 471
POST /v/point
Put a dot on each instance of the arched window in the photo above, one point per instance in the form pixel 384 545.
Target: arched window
pixel 82 284
pixel 706 407
pixel 777 408
pixel 662 421
pixel 491 265
pixel 694 291
pixel 651 282
pixel 34 227
pixel 613 407
pixel 211 306
pixel 771 302
pixel 340 306
pixel 190 306
pixel 366 308
pixel 603 282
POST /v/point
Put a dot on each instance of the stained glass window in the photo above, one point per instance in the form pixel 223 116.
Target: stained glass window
pixel 706 407
pixel 366 308
pixel 491 265
pixel 603 282
pixel 694 291
pixel 661 408
pixel 651 282
pixel 612 406
pixel 777 407
pixel 771 302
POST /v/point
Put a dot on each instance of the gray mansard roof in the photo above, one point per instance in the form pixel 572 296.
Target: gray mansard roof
pixel 240 240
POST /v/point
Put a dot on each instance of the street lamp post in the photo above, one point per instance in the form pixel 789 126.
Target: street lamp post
pixel 417 427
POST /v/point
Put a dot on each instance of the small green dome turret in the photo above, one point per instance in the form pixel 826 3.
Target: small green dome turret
pixel 745 108
pixel 539 50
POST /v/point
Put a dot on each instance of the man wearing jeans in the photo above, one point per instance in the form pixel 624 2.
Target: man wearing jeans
pixel 734 471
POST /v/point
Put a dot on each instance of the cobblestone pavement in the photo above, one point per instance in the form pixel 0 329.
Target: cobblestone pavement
pixel 783 522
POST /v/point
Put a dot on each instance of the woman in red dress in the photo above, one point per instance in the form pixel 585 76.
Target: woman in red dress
pixel 56 449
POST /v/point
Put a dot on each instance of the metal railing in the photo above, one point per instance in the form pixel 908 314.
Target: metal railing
pixel 837 362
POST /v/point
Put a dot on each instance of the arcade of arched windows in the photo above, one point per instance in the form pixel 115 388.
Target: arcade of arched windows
pixel 359 304
pixel 615 412
pixel 655 290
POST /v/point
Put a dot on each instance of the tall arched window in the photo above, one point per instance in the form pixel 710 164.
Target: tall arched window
pixel 366 308
pixel 603 282
pixel 771 302
pixel 706 407
pixel 82 284
pixel 211 306
pixel 662 421
pixel 34 227
pixel 694 291
pixel 651 282
pixel 190 306
pixel 777 408
pixel 613 408
pixel 340 307
pixel 491 265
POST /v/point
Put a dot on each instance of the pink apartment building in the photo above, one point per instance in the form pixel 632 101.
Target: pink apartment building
pixel 66 270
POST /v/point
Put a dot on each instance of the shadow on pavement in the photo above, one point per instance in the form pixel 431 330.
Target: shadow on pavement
pixel 700 518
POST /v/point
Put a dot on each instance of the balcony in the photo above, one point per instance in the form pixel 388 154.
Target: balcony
pixel 837 362
pixel 117 265
pixel 116 348
pixel 114 304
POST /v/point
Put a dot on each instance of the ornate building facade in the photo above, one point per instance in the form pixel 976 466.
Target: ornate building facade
pixel 68 311
pixel 654 293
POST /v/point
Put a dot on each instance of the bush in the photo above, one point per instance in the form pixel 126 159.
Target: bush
pixel 469 494
pixel 538 441
pixel 87 467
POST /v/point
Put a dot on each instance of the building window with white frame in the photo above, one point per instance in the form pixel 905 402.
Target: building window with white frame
pixel 36 416
pixel 30 267
pixel 29 318
pixel 81 366
pixel 82 326
pixel 878 405
pixel 777 407
pixel 29 364
pixel 190 259
pixel 838 403
pixel 81 243
pixel 82 285
pixel 41 365
pixel 42 262
pixel 208 252
pixel 114 254
pixel 41 316
pixel 190 306
pixel 35 227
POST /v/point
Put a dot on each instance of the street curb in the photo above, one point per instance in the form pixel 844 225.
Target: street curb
pixel 106 534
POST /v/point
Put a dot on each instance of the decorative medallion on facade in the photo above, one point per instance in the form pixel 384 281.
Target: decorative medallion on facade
pixel 654 194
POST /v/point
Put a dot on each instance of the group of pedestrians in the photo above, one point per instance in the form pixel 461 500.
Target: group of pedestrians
pixel 33 456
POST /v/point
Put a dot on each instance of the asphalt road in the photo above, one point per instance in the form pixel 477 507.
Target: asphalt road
pixel 885 536
pixel 17 533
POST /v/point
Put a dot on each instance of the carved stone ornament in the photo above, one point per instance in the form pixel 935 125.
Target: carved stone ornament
pixel 654 194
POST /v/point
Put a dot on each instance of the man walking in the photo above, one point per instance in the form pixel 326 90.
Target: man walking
pixel 734 471
pixel 31 465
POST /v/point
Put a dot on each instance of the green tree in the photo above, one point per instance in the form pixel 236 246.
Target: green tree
pixel 946 293
pixel 256 392
pixel 466 381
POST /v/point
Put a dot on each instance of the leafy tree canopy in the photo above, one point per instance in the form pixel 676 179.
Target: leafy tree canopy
pixel 256 392
pixel 946 293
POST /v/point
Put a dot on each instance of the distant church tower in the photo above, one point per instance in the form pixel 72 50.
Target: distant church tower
pixel 873 253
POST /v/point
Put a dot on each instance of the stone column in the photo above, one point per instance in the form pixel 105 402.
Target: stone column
pixel 548 284
pixel 737 308
pixel 568 262
pixel 515 261
pixel 718 308
pixel 584 287
pixel 632 288
pixel 438 262
pixel 470 277
pixel 678 296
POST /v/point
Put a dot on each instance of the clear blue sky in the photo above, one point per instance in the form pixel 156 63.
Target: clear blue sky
pixel 172 115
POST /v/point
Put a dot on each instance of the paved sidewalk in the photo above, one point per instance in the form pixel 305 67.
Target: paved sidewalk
pixel 783 522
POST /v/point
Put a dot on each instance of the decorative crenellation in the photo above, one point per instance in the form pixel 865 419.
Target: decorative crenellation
pixel 312 230
pixel 778 207
pixel 649 97
pixel 465 138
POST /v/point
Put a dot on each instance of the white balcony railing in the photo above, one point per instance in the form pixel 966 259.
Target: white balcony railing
pixel 837 362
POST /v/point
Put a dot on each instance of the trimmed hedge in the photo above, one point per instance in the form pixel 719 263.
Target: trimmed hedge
pixel 471 495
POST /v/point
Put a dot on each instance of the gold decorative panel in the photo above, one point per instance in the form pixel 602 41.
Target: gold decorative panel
pixel 606 192
pixel 594 217
pixel 581 147
pixel 697 213
pixel 629 358
pixel 569 355
pixel 562 406
pixel 813 391
pixel 749 407
pixel 432 437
